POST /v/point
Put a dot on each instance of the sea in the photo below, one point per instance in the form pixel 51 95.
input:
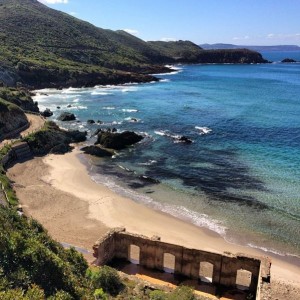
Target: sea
pixel 240 175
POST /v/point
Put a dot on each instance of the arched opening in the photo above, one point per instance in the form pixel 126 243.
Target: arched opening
pixel 134 254
pixel 206 271
pixel 169 263
pixel 243 279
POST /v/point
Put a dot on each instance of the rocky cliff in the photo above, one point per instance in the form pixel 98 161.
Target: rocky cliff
pixel 11 118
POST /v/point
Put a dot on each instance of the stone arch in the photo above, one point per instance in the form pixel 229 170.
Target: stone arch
pixel 134 254
pixel 206 271
pixel 169 262
pixel 243 279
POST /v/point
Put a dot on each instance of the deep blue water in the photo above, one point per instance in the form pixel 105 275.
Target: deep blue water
pixel 239 177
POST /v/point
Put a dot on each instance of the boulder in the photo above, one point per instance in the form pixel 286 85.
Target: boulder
pixel 65 116
pixel 118 141
pixel 90 121
pixel 47 113
pixel 77 136
pixel 97 151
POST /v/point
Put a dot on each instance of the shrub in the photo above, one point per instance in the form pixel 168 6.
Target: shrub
pixel 182 293
pixel 157 295
pixel 106 278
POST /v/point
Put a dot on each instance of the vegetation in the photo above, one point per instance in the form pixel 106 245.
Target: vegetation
pixel 42 47
pixel 19 97
pixel 53 139
pixel 32 263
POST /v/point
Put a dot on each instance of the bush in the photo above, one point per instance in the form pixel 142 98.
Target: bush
pixel 157 295
pixel 100 295
pixel 106 278
pixel 182 293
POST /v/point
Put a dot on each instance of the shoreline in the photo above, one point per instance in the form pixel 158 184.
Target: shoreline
pixel 84 210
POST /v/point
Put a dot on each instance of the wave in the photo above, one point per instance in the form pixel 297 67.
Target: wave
pixel 78 107
pixel 174 67
pixel 129 110
pixel 132 120
pixel 203 130
pixel 272 250
pixel 181 212
pixel 167 74
pixel 177 138
pixel 95 93
pixel 148 163
pixel 164 80
pixel 109 107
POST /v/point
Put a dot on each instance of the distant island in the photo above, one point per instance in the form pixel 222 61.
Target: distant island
pixel 42 47
pixel 254 48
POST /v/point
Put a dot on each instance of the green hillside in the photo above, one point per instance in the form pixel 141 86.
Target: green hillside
pixel 42 47
pixel 40 44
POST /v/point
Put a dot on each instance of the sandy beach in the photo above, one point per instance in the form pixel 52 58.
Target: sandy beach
pixel 57 191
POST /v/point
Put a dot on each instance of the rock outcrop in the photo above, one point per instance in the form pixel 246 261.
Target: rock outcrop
pixel 288 60
pixel 11 118
pixel 53 139
pixel 97 151
pixel 19 97
pixel 117 141
pixel 47 113
pixel 66 116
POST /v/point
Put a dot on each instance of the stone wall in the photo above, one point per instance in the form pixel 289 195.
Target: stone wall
pixel 116 244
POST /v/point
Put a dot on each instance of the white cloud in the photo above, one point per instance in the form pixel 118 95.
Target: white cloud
pixel 54 1
pixel 168 39
pixel 131 31
pixel 246 37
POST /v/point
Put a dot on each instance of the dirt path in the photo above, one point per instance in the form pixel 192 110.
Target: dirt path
pixel 36 122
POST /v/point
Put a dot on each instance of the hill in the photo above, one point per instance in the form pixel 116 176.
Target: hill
pixel 41 47
pixel 254 48
pixel 186 51
pixel 44 47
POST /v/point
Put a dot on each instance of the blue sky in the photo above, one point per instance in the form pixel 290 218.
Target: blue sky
pixel 244 22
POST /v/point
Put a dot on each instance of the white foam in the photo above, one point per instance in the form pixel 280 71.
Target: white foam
pixel 109 107
pixel 203 130
pixel 129 110
pixel 271 250
pixel 201 220
pixel 168 74
pixel 174 67
pixel 95 93
pixel 160 132
pixel 165 80
pixel 148 163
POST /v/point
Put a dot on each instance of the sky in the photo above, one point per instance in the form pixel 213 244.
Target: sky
pixel 242 22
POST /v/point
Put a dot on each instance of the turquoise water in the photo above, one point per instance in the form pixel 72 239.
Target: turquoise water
pixel 240 175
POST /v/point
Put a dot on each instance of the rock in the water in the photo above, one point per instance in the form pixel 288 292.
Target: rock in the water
pixel 288 60
pixel 77 136
pixel 99 122
pixel 118 141
pixel 69 106
pixel 65 116
pixel 58 107
pixel 90 121
pixel 47 113
pixel 97 151
pixel 184 139
pixel 149 179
